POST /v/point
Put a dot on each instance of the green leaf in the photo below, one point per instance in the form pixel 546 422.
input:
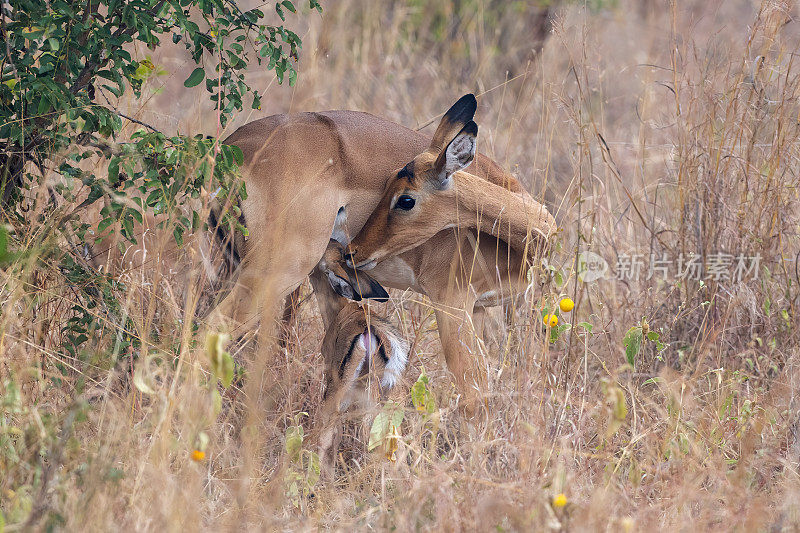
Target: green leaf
pixel 312 469
pixel 3 243
pixel 5 255
pixel 127 229
pixel 226 377
pixel 220 361
pixel 294 442
pixel 392 414
pixel 656 338
pixel 195 77
pixel 633 343
pixel 585 325
pixel 292 489
pixel 397 416
pixel 616 405
pixel 619 409
pixel 177 233
pixel 422 398
pixel 216 400
pixel 379 430
pixel 44 106
pixel 136 215
pixel 238 155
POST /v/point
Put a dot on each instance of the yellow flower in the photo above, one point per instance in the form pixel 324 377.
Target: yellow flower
pixel 559 500
pixel 198 455
pixel 550 320
pixel 391 444
pixel 566 305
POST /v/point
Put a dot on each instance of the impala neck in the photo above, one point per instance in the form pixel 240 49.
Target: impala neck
pixel 519 220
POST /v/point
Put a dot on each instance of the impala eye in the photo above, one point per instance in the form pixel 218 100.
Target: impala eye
pixel 405 202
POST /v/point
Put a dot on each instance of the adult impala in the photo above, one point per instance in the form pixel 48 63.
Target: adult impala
pixel 311 177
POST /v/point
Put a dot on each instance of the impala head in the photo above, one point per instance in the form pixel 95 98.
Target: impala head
pixel 345 280
pixel 410 210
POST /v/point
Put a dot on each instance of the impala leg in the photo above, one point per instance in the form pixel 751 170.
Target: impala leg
pixel 512 336
pixel 289 232
pixel 494 326
pixel 458 345
pixel 289 318
pixel 269 272
pixel 482 322
pixel 448 289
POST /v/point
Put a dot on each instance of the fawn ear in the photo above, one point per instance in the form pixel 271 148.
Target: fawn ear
pixel 342 287
pixel 458 154
pixel 453 121
pixel 355 285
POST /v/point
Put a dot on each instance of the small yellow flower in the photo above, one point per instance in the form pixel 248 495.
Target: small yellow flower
pixel 559 500
pixel 198 455
pixel 566 305
pixel 550 320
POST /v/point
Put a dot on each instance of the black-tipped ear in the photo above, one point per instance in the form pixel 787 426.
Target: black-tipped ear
pixel 470 129
pixel 454 121
pixel 358 285
pixel 342 287
pixel 463 110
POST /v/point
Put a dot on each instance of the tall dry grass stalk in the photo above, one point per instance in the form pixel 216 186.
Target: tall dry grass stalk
pixel 647 128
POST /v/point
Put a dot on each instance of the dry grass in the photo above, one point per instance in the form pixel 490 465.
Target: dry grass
pixel 647 128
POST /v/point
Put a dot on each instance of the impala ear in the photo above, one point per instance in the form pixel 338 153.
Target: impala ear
pixel 342 287
pixel 457 156
pixel 355 285
pixel 454 121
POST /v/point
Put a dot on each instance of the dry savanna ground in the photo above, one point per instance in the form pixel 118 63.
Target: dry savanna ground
pixel 662 135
